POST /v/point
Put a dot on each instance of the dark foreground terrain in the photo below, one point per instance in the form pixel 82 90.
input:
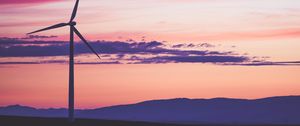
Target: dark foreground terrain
pixel 35 121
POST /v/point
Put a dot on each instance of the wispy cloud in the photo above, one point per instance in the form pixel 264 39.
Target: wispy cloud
pixel 287 32
pixel 116 52
pixel 268 63
pixel 195 59
pixel 14 47
pixel 39 37
pixel 3 2
pixel 22 51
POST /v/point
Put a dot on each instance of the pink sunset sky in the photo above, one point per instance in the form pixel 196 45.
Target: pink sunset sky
pixel 267 31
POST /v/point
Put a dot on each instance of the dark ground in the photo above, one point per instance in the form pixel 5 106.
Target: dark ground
pixel 35 121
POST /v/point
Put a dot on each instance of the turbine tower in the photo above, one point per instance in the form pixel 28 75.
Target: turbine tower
pixel 73 30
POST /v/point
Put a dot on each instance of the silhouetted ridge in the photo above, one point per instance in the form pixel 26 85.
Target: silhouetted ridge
pixel 273 110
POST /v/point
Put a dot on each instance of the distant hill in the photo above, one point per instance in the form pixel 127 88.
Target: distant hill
pixel 273 110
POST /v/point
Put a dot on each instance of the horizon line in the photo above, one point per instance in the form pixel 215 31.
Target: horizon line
pixel 163 99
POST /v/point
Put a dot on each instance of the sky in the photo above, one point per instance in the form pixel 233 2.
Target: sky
pixel 149 49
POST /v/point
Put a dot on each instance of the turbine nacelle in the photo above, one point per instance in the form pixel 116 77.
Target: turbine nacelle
pixel 73 23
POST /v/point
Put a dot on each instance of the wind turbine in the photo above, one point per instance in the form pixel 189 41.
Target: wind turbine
pixel 73 30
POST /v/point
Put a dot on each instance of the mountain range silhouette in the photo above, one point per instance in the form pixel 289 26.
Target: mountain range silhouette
pixel 272 110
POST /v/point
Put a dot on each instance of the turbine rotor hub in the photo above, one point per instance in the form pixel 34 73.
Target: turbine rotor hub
pixel 73 23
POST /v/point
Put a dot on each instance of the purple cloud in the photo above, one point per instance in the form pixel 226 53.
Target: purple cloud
pixel 39 37
pixel 114 52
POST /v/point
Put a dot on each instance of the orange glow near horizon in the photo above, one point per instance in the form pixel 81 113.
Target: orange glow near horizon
pixel 105 85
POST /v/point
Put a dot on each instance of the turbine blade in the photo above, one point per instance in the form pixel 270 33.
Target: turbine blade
pixel 83 39
pixel 51 27
pixel 74 11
